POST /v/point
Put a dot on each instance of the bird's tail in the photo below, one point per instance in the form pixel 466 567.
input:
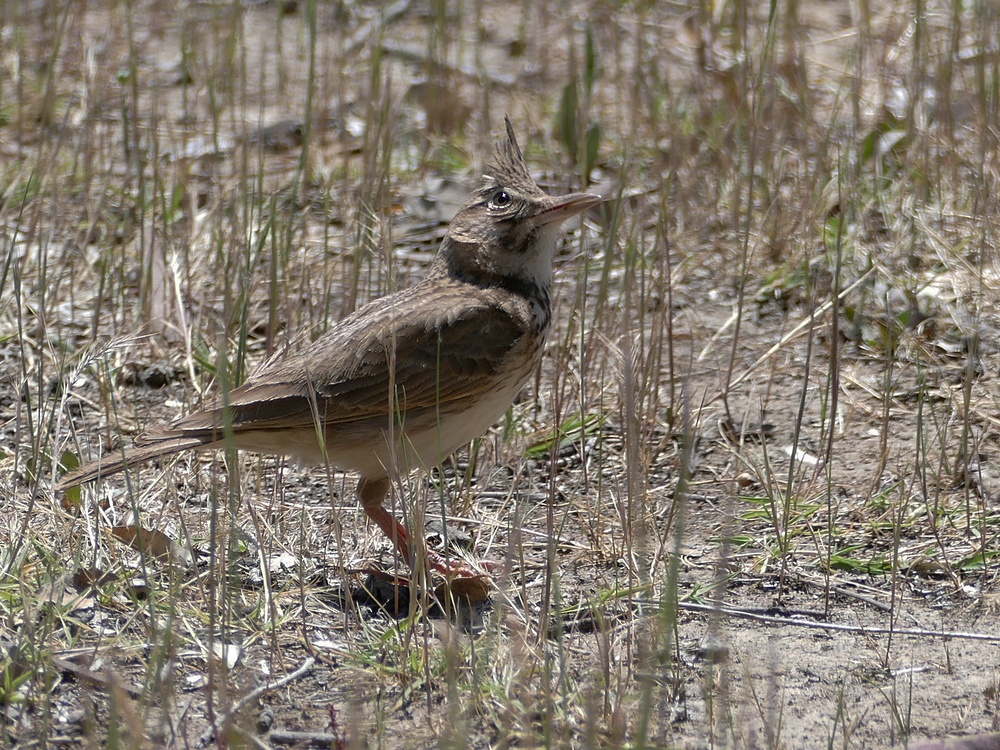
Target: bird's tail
pixel 112 463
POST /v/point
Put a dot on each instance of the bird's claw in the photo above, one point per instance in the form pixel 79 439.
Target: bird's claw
pixel 461 580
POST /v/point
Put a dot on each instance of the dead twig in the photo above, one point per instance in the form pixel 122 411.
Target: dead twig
pixel 917 632
pixel 253 695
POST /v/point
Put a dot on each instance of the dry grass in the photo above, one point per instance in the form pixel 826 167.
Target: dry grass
pixel 798 261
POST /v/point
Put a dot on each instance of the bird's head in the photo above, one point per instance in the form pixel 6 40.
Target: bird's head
pixel 508 227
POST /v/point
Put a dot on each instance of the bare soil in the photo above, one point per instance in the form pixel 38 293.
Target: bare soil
pixel 672 578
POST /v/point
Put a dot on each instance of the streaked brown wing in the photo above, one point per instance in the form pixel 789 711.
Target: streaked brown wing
pixel 349 372
pixel 430 367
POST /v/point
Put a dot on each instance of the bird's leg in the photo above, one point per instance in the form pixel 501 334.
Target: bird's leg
pixel 372 493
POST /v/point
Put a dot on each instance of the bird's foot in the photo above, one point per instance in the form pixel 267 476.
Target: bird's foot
pixel 460 579
pixel 451 581
pixel 452 568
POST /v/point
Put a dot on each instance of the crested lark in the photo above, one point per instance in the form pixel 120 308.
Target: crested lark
pixel 410 377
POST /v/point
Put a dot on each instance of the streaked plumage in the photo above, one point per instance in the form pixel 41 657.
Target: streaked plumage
pixel 410 377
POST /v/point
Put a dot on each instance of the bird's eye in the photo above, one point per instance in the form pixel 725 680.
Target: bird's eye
pixel 500 199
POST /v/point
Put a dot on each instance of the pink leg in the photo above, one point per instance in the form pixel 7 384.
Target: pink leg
pixel 372 493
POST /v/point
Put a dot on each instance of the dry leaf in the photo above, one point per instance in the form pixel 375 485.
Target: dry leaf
pixel 227 653
pixel 62 594
pixel 154 543
pixel 86 577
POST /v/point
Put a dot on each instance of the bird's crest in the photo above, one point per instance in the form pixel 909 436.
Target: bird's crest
pixel 508 167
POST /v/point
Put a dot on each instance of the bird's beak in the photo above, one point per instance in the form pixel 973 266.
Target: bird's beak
pixel 565 206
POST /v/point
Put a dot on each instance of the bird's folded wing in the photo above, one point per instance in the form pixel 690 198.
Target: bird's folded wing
pixel 351 375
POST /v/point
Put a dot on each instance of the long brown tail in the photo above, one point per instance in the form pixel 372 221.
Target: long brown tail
pixel 112 463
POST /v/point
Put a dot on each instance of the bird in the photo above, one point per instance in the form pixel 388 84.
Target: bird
pixel 411 377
